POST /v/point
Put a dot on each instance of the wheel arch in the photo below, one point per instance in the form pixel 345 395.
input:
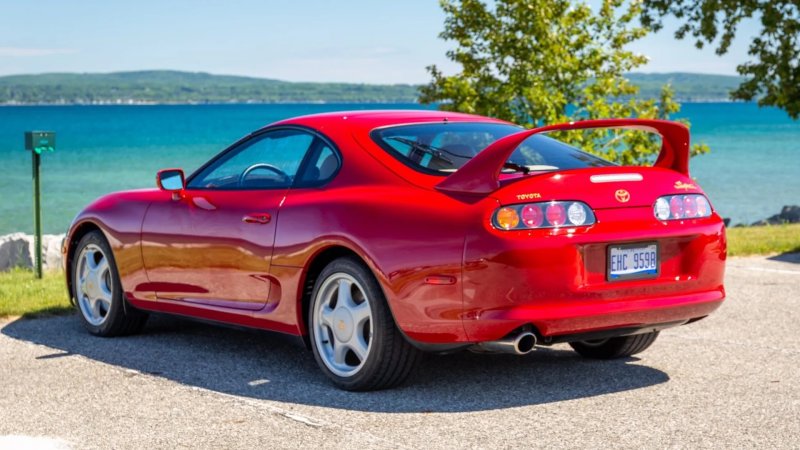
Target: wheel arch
pixel 314 267
pixel 75 236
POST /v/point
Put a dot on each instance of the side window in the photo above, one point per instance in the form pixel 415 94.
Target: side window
pixel 267 161
pixel 323 165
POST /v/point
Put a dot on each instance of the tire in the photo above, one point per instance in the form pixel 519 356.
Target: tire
pixel 97 290
pixel 353 335
pixel 618 347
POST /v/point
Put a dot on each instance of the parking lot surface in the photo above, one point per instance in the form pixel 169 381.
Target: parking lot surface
pixel 729 381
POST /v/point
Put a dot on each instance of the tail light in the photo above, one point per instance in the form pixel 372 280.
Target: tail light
pixel 543 215
pixel 678 207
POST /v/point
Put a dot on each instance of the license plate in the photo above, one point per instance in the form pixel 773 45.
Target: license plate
pixel 632 261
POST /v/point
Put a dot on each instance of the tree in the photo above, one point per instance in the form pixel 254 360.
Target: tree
pixel 774 75
pixel 536 62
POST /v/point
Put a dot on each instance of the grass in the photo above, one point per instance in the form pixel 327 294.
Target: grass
pixel 21 294
pixel 765 240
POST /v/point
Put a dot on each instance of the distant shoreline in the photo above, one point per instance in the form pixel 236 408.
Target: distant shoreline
pixel 196 88
pixel 237 102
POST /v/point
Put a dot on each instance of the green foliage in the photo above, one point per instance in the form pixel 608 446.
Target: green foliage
pixel 537 62
pixel 774 74
pixel 186 87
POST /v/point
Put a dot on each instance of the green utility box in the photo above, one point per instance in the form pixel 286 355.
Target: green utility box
pixel 39 141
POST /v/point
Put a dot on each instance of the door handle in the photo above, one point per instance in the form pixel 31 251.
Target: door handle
pixel 257 218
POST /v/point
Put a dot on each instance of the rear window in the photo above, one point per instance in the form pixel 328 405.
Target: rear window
pixel 442 148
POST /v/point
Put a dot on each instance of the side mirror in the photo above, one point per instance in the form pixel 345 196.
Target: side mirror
pixel 171 180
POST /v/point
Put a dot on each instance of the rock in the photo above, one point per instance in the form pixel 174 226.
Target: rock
pixel 788 214
pixel 16 250
pixel 51 251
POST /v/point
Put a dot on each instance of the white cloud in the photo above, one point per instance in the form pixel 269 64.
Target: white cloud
pixel 23 52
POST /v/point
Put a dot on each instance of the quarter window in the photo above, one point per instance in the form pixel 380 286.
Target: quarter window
pixel 322 166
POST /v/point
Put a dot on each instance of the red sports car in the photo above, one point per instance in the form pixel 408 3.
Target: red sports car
pixel 379 235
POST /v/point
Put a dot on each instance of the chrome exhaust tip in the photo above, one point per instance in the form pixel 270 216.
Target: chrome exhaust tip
pixel 520 344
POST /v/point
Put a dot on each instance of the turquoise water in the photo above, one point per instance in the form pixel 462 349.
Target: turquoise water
pixel 750 174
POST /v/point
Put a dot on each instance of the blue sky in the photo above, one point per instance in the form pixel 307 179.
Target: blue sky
pixel 374 41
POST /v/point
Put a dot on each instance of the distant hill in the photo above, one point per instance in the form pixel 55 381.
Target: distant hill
pixel 688 87
pixel 187 87
pixel 196 87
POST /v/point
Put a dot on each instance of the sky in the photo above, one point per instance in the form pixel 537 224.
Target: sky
pixel 377 41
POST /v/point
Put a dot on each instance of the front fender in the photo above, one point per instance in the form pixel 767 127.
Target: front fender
pixel 119 217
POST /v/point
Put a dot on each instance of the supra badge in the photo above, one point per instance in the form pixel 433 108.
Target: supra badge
pixel 684 186
pixel 622 195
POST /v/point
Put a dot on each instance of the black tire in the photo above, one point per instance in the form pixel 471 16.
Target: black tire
pixel 618 347
pixel 115 317
pixel 389 360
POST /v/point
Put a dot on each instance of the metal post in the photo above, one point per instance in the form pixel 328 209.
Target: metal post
pixel 37 142
pixel 37 216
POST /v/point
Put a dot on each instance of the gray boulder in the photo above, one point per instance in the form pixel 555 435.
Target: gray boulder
pixel 788 214
pixel 16 250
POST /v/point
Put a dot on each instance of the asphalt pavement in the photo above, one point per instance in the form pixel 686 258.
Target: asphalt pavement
pixel 729 381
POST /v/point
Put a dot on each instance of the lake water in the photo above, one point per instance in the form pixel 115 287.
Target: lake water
pixel 751 172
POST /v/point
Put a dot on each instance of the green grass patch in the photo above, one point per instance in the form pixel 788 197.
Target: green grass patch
pixel 21 294
pixel 765 240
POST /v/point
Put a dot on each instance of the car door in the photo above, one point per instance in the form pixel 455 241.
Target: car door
pixel 213 244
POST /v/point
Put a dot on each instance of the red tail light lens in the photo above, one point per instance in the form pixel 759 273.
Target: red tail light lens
pixel 543 215
pixel 703 208
pixel 689 206
pixel 555 214
pixel 676 207
pixel 532 216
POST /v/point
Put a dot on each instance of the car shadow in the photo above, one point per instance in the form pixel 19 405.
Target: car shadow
pixel 269 366
pixel 790 257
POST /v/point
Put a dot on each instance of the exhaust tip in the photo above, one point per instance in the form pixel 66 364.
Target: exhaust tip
pixel 525 343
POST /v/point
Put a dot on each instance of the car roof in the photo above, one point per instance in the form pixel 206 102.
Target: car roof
pixel 344 126
pixel 367 120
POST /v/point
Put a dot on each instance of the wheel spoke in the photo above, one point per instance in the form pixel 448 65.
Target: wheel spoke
pixel 106 306
pixel 326 317
pixel 90 260
pixel 339 352
pixel 345 298
pixel 105 293
pixel 361 313
pixel 95 308
pixel 101 268
pixel 359 347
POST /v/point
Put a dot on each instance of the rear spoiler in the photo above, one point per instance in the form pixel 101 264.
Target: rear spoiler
pixel 481 174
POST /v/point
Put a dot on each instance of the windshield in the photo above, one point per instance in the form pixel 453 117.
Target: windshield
pixel 442 148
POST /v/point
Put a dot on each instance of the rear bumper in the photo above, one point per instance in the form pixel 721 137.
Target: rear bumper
pixel 627 317
pixel 555 280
